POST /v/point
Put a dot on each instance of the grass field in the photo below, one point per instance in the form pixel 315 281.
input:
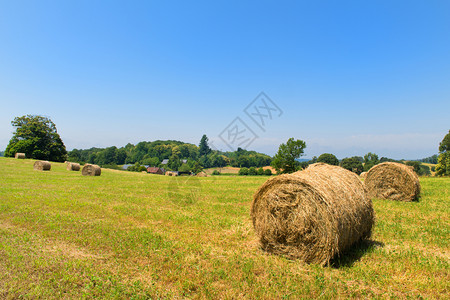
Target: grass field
pixel 138 236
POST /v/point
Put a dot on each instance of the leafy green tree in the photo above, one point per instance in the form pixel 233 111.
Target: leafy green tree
pixel 37 137
pixel 260 171
pixel 352 164
pixel 420 169
pixel 267 172
pixel 243 171
pixel 328 158
pixel 444 146
pixel 370 160
pixel 174 162
pixel 196 167
pixel 285 159
pixel 252 171
pixel 184 168
pixel 203 146
pixel 443 166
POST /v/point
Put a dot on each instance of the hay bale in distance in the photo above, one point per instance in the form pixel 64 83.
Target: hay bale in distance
pixel 42 165
pixel 363 175
pixel 312 215
pixel 73 166
pixel 91 170
pixel 19 156
pixel 393 181
pixel 202 174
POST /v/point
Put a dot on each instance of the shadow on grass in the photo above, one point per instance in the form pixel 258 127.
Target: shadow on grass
pixel 354 254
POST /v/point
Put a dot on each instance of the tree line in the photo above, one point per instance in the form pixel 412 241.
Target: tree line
pixel 37 137
pixel 181 156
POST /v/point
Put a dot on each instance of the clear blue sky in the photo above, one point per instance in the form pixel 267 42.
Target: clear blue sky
pixel 349 76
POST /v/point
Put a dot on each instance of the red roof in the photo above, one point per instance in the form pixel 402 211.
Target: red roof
pixel 154 170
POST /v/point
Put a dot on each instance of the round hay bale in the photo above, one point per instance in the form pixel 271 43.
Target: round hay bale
pixel 19 156
pixel 73 166
pixel 312 215
pixel 202 174
pixel 363 175
pixel 42 165
pixel 91 170
pixel 393 181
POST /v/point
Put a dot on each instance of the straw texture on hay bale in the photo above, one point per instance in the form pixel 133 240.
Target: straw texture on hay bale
pixel 363 175
pixel 312 215
pixel 19 155
pixel 392 181
pixel 73 166
pixel 42 165
pixel 91 170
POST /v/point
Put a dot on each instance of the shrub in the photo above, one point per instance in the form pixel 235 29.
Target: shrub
pixel 328 158
pixel 215 172
pixel 252 171
pixel 267 172
pixel 243 171
pixel 260 171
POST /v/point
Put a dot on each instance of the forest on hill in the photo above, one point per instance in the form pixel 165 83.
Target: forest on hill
pixel 188 157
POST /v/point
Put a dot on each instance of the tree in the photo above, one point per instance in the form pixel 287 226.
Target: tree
pixel 328 158
pixel 444 146
pixel 352 164
pixel 37 137
pixel 174 162
pixel 285 159
pixel 370 160
pixel 252 171
pixel 243 171
pixel 203 146
pixel 267 172
pixel 260 171
pixel 443 166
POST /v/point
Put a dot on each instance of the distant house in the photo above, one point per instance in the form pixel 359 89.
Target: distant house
pixel 165 161
pixel 155 170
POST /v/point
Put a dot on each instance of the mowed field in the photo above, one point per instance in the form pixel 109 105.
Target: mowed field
pixel 138 236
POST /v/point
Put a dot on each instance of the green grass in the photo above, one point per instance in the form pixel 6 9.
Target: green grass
pixel 136 236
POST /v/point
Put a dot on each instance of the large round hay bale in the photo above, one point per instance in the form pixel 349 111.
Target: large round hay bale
pixel 19 156
pixel 73 166
pixel 363 175
pixel 42 165
pixel 91 170
pixel 392 181
pixel 312 215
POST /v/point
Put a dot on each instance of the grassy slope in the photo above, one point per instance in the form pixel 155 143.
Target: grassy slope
pixel 134 235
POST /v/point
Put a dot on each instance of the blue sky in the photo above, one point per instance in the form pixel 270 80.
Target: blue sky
pixel 349 77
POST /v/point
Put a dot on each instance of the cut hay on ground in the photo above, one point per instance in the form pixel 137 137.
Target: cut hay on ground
pixel 312 215
pixel 363 175
pixel 73 166
pixel 42 165
pixel 91 170
pixel 20 156
pixel 392 181
pixel 171 173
